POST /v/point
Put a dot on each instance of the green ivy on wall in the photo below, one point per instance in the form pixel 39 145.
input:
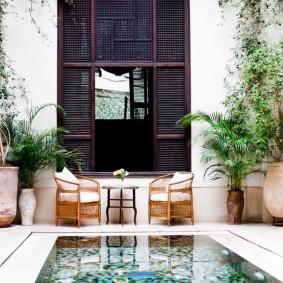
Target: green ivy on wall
pixel 256 98
pixel 9 80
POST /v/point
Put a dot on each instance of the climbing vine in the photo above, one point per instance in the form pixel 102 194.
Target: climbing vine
pixel 256 97
pixel 9 80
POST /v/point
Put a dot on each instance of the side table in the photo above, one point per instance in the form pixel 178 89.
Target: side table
pixel 121 201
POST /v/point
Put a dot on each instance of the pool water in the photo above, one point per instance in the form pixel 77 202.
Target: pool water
pixel 193 258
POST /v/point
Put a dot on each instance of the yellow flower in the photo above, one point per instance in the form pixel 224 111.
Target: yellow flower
pixel 121 173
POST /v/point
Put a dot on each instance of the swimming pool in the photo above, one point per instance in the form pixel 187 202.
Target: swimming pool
pixel 160 258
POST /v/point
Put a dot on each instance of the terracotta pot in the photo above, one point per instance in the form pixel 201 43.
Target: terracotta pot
pixel 273 189
pixel 27 204
pixel 8 194
pixel 235 205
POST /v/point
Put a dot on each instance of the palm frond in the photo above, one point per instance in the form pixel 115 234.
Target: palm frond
pixel 228 148
pixel 35 150
pixel 32 112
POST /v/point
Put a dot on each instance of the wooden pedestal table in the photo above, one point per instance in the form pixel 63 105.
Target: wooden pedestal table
pixel 120 202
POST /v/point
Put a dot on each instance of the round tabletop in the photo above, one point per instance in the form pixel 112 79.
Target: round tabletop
pixel 115 187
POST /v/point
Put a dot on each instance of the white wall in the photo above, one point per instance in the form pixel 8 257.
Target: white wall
pixel 211 41
pixel 34 56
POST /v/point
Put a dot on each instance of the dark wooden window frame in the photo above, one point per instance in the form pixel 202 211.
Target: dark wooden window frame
pixel 154 64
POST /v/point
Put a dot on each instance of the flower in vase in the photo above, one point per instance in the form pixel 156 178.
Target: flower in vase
pixel 120 174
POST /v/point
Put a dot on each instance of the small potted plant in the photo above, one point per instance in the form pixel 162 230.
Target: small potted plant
pixel 34 151
pixel 120 175
pixel 227 154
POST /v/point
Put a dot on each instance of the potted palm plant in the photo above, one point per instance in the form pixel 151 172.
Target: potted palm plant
pixel 227 154
pixel 8 179
pixel 34 151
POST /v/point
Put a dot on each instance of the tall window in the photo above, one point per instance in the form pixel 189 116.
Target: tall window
pixel 124 80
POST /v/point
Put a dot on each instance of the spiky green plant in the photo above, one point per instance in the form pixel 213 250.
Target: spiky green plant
pixel 5 140
pixel 227 148
pixel 33 150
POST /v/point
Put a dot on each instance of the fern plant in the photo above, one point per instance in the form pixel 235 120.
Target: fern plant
pixel 227 148
pixel 5 140
pixel 33 150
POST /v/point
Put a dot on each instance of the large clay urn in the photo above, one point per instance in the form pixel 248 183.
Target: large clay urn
pixel 8 194
pixel 235 205
pixel 273 189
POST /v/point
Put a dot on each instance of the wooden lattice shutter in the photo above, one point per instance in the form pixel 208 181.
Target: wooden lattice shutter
pixel 123 30
pixel 171 91
pixel 170 22
pixel 139 33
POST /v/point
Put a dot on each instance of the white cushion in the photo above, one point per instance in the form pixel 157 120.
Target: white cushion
pixel 67 175
pixel 178 177
pixel 174 197
pixel 86 197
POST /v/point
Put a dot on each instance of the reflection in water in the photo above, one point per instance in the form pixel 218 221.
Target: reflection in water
pixel 146 259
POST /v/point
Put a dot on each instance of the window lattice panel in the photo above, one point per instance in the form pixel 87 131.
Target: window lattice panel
pixel 170 99
pixel 77 100
pixel 76 31
pixel 123 30
pixel 171 155
pixel 85 154
pixel 170 31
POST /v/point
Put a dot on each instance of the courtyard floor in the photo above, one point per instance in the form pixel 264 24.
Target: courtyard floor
pixel 23 249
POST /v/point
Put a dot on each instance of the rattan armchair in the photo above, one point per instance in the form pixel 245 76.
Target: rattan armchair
pixel 79 199
pixel 171 196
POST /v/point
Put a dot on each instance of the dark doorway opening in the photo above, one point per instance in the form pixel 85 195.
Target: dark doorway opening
pixel 123 119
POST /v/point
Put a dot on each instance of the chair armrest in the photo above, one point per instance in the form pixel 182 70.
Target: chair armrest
pixel 66 186
pixel 164 179
pixel 182 185
pixel 88 184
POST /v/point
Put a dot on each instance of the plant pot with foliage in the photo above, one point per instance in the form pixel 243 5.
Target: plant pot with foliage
pixel 34 151
pixel 227 154
pixel 8 179
pixel 262 78
pixel 255 92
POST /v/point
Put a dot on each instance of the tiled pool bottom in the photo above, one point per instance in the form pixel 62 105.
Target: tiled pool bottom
pixel 175 258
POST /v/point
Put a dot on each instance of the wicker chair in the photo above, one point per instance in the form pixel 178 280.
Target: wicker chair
pixel 171 196
pixel 77 200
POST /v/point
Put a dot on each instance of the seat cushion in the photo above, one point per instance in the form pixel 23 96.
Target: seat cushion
pixel 174 197
pixel 178 177
pixel 68 176
pixel 85 197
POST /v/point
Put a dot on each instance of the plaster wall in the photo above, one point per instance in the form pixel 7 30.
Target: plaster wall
pixel 35 59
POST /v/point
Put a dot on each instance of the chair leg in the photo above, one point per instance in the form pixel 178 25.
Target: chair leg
pixel 192 220
pixel 168 213
pixel 79 215
pixel 192 214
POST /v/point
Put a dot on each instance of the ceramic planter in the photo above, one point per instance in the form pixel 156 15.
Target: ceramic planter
pixel 27 204
pixel 8 194
pixel 273 190
pixel 235 205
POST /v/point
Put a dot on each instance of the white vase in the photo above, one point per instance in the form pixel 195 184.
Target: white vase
pixel 120 182
pixel 27 204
